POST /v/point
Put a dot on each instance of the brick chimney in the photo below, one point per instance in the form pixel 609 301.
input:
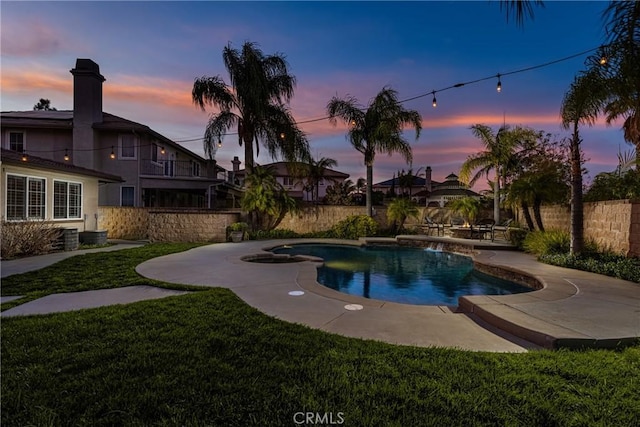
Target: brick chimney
pixel 87 110
pixel 236 164
pixel 427 178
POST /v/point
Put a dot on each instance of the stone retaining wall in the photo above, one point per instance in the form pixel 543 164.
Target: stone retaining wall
pixel 163 225
pixel 614 224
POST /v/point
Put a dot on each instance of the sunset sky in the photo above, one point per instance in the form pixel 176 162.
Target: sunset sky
pixel 150 53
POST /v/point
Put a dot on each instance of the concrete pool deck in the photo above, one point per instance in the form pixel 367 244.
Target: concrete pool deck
pixel 573 309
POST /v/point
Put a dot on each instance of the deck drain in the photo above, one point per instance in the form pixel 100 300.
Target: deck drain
pixel 296 293
pixel 353 307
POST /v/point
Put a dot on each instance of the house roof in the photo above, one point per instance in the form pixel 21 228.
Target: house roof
pixel 63 119
pixel 15 158
pixel 417 182
pixel 282 169
pixel 453 192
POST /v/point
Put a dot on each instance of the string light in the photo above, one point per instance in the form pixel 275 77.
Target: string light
pixel 162 150
pixel 24 156
pixel 219 143
pixel 603 60
pixel 434 102
pixel 113 154
pixel 66 155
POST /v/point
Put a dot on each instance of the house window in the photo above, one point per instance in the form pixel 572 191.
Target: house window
pixel 196 169
pixel 16 141
pixel 127 196
pixel 67 200
pixel 288 181
pixel 127 145
pixel 154 152
pixel 25 197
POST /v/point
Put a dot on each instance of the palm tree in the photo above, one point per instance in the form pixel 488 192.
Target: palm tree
pixel 312 172
pixel 580 105
pixel 617 65
pixel 340 193
pixel 255 103
pixel 266 199
pixel 468 207
pixel 519 9
pixel 499 152
pixel 378 129
pixel 400 209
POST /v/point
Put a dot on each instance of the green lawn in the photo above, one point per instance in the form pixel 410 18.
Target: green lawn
pixel 209 359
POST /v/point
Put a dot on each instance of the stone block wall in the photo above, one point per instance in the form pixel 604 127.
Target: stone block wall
pixel 614 224
pixel 165 226
pixel 320 218
pixel 190 226
pixel 124 222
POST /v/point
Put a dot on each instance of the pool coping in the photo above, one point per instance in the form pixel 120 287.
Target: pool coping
pixel 501 311
pixel 572 309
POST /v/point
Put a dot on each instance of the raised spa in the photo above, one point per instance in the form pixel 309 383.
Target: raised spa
pixel 401 274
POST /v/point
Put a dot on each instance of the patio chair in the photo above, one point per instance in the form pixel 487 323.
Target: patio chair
pixel 429 224
pixel 503 228
pixel 483 227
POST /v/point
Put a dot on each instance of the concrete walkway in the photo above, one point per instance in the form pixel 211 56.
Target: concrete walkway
pixel 573 309
pixel 24 265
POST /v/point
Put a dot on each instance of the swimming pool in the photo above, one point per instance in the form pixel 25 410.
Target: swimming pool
pixel 400 274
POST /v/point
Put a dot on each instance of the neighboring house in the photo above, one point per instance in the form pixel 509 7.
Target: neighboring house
pixel 157 172
pixel 444 192
pixel 295 186
pixel 34 188
pixel 427 192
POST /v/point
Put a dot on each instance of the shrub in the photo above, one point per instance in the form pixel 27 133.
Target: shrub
pixel 272 234
pixel 354 227
pixel 27 238
pixel 547 242
pixel 605 263
pixel 517 236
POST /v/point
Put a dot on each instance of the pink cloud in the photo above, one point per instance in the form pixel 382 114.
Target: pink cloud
pixel 30 38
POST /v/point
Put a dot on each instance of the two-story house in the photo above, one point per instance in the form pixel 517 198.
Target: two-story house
pixel 296 186
pixel 157 172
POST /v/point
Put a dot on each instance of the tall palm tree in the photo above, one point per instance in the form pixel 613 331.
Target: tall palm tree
pixel 620 73
pixel 255 104
pixel 499 151
pixel 312 172
pixel 377 129
pixel 580 105
pixel 519 9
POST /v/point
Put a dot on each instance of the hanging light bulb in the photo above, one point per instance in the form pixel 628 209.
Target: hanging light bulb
pixel 499 87
pixel 113 154
pixel 353 122
pixel 282 135
pixel 162 151
pixel 24 156
pixel 66 155
pixel 434 102
pixel 219 143
pixel 603 60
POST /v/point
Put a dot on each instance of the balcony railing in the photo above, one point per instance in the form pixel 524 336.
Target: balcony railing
pixel 185 168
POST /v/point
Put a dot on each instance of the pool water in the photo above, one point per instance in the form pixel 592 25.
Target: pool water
pixel 403 275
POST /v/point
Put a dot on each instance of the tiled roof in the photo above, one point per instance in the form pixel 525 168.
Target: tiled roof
pixel 15 158
pixel 282 169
